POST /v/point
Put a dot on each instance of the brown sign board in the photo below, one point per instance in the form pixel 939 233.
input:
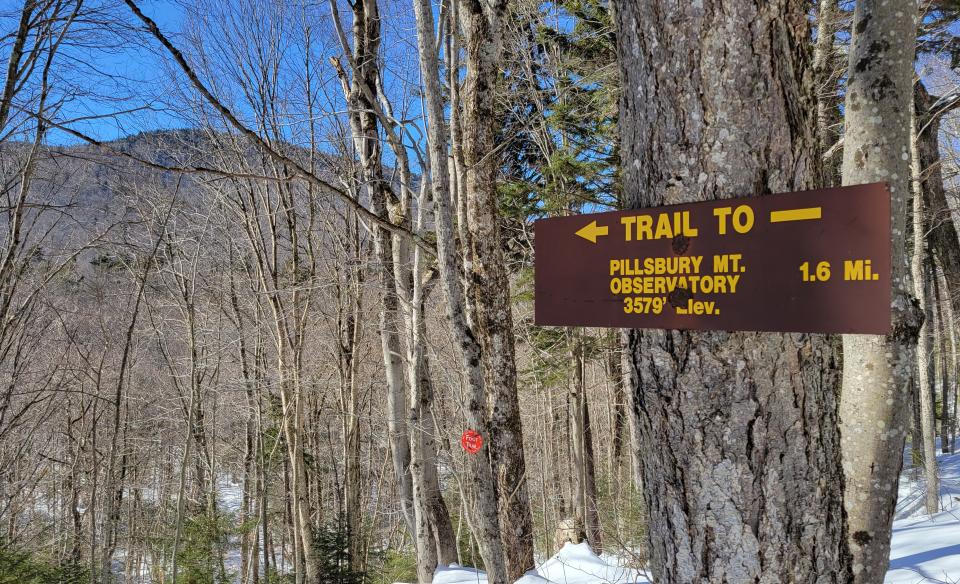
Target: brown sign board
pixel 815 261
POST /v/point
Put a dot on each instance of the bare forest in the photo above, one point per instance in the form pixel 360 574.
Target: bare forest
pixel 264 263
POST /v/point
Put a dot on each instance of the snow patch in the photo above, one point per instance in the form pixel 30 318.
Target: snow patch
pixel 574 564
pixel 926 548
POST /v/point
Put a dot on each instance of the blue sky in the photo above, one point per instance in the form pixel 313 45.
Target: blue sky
pixel 99 72
pixel 107 72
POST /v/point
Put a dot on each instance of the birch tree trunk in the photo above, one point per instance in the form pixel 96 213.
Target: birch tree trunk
pixel 876 372
pixel 436 542
pixel 483 504
pixel 403 279
pixel 487 282
pixel 359 92
pixel 924 345
pixel 950 377
pixel 741 461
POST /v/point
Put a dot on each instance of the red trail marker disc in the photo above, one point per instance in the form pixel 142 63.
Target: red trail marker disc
pixel 471 441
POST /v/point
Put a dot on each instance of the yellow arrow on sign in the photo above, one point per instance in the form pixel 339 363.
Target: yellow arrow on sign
pixel 592 231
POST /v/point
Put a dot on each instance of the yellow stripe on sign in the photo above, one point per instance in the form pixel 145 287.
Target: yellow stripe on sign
pixel 796 214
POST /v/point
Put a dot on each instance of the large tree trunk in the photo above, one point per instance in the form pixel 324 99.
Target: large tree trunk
pixel 488 284
pixel 739 430
pixel 876 373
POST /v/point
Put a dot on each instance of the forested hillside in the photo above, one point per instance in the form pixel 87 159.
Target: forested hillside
pixel 267 293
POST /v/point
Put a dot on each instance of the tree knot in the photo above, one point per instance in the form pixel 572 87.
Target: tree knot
pixel 907 316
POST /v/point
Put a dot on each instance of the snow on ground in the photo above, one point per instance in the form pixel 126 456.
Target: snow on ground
pixel 574 564
pixel 577 564
pixel 925 548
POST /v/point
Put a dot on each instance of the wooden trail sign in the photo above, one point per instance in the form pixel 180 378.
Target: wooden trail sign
pixel 815 261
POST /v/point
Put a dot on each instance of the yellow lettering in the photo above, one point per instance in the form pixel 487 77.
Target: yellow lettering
pixel 687 230
pixel 628 223
pixel 743 219
pixel 721 263
pixel 853 270
pixel 644 227
pixel 733 280
pixel 721 213
pixel 663 227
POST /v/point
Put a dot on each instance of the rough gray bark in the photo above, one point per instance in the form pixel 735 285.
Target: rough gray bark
pixel 741 463
pixel 487 282
pixel 876 375
pixel 924 346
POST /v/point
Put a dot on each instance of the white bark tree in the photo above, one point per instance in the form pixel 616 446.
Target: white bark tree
pixel 488 285
pixel 924 382
pixel 876 369
pixel 481 505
